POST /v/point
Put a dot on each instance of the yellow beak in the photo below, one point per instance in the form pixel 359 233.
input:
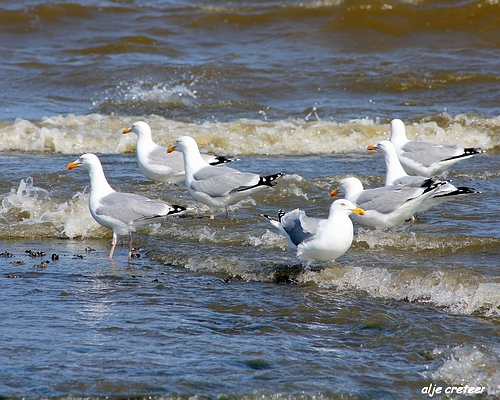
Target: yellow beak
pixel 358 210
pixel 126 130
pixel 73 164
pixel 171 148
pixel 334 192
pixel 372 147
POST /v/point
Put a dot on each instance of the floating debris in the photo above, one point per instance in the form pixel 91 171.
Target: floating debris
pixel 135 254
pixel 42 265
pixel 77 257
pixel 33 253
pixel 89 249
pixel 429 355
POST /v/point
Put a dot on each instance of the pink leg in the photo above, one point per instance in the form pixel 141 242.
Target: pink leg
pixel 113 245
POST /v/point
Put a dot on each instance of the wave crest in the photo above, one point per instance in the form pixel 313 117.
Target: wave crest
pixel 102 134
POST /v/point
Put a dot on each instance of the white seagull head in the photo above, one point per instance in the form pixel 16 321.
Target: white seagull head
pixel 346 207
pixel 183 144
pixel 88 160
pixel 140 128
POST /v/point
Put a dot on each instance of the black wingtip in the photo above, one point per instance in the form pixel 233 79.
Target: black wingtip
pixel 473 150
pixel 269 180
pixel 223 160
pixel 431 184
pixel 466 190
pixel 281 212
pixel 269 217
pixel 469 151
pixel 462 190
pixel 176 209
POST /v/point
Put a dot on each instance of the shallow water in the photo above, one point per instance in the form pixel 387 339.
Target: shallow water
pixel 221 308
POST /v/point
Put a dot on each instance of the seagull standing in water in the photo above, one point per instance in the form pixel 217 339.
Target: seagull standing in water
pixel 318 239
pixel 217 187
pixel 424 158
pixel 123 213
pixel 396 175
pixel 386 206
pixel 156 163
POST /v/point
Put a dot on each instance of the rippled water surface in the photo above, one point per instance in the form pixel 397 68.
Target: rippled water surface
pixel 220 308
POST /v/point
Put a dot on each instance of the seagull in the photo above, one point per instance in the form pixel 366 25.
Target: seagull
pixel 123 213
pixel 156 163
pixel 424 158
pixel 217 187
pixel 318 239
pixel 386 206
pixel 395 174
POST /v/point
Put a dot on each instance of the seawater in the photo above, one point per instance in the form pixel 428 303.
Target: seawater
pixel 221 308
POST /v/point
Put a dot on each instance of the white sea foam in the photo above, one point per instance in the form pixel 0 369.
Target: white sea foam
pixel 231 265
pixel 403 238
pixel 77 219
pixel 160 93
pixel 468 131
pixel 269 240
pixel 30 208
pixel 471 365
pixel 26 197
pixel 454 291
pixel 144 91
pixel 102 134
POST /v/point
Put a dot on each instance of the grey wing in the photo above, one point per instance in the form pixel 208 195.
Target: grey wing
pixel 300 228
pixel 220 181
pixel 160 156
pixel 414 181
pixel 386 199
pixel 428 153
pixel 127 207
